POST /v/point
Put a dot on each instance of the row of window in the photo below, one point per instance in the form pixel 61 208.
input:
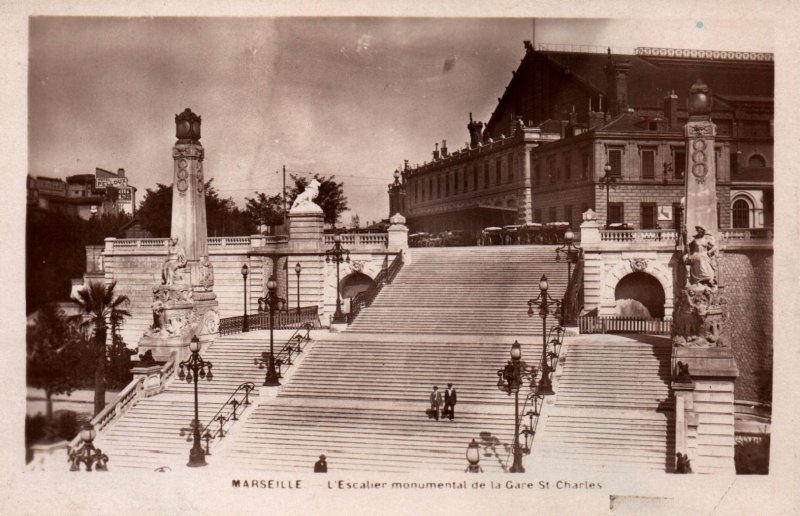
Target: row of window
pixel 464 180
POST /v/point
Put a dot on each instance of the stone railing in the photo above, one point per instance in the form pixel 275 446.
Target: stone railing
pixel 126 399
pixel 639 235
pixel 228 242
pixel 132 244
pixel 746 235
pixel 359 240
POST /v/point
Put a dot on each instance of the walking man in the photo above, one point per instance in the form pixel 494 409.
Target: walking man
pixel 450 401
pixel 436 402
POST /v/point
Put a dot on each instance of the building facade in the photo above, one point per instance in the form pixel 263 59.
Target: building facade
pixel 567 119
pixel 83 195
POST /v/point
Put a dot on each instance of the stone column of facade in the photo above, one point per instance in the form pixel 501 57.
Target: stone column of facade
pixel 705 368
pixel 184 303
pixel 306 223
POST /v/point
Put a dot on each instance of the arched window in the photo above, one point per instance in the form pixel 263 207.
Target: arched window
pixel 757 160
pixel 741 213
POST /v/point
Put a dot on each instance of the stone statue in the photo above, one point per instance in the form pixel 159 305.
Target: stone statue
pixel 170 273
pixel 701 258
pixel 308 195
pixel 206 273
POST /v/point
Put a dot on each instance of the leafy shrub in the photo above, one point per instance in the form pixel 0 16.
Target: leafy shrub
pixel 751 456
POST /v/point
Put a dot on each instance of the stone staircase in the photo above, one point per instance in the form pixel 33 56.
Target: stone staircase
pixel 465 290
pixel 157 430
pixel 612 409
pixel 361 399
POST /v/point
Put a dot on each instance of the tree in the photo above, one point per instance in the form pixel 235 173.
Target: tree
pixel 155 211
pixel 101 306
pixel 265 210
pixel 53 356
pixel 223 217
pixel 331 196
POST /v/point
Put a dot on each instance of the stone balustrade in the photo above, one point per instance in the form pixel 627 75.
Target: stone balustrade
pixel 359 240
pixel 639 235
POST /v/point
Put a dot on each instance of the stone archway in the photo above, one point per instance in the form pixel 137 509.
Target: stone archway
pixel 659 271
pixel 355 283
pixel 639 295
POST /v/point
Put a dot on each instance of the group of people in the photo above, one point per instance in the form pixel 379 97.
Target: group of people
pixel 443 406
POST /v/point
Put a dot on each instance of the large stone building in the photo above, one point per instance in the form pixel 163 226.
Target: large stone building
pixel 567 117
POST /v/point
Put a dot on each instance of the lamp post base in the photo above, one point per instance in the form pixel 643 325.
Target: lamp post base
pixel 197 457
pixel 272 379
pixel 517 467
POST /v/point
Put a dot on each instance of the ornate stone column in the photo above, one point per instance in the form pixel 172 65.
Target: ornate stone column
pixel 704 367
pixel 184 303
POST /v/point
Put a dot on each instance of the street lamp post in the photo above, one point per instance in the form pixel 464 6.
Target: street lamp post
pixel 607 181
pixel 245 323
pixel 546 305
pixel 572 253
pixel 196 368
pixel 297 269
pixel 271 302
pixel 337 254
pixel 87 453
pixel 511 377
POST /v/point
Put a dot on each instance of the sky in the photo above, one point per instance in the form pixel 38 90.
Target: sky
pixel 352 97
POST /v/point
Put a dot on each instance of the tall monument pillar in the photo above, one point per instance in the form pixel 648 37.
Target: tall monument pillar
pixel 184 303
pixel 704 367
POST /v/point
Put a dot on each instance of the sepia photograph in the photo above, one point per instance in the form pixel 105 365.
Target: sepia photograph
pixel 446 260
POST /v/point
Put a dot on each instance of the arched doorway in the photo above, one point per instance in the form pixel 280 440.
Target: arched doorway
pixel 352 285
pixel 639 295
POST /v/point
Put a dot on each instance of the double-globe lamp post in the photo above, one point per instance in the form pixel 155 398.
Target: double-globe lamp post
pixel 193 369
pixel 245 323
pixel 511 377
pixel 271 302
pixel 547 305
pixel 337 254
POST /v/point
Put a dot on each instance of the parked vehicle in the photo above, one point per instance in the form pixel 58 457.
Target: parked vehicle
pixel 458 237
pixel 553 232
pixel 510 235
pixel 530 233
pixel 492 236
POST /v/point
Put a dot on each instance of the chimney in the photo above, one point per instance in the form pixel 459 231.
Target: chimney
pixel 671 109
pixel 617 76
pixel 436 151
pixel 475 129
pixel 444 148
pixel 120 172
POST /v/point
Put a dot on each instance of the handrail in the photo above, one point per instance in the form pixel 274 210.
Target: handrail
pixel 124 400
pixel 294 345
pixel 365 298
pixel 206 432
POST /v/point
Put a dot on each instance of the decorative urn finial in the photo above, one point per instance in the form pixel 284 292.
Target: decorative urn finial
pixel 699 101
pixel 187 126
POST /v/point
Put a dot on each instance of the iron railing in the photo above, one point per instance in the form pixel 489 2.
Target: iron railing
pixel 572 304
pixel 365 298
pixel 226 415
pixel 284 319
pixel 293 346
pixel 615 324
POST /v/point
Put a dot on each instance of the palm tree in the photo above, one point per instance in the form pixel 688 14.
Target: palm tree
pixel 101 306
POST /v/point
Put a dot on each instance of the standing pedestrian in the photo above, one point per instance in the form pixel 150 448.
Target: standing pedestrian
pixel 436 402
pixel 450 402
